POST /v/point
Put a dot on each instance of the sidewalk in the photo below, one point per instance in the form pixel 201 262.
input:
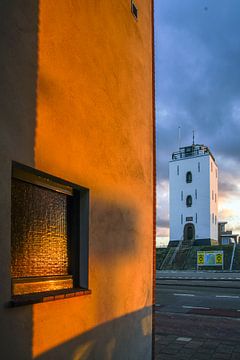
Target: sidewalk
pixel 205 278
pixel 182 337
pixel 172 347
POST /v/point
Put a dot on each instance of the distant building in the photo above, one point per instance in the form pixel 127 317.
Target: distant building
pixel 193 177
pixel 226 237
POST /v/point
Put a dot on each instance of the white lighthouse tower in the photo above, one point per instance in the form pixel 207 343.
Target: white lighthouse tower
pixel 193 177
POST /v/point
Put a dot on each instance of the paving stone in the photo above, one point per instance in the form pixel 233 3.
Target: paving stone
pixel 202 356
pixel 235 356
pixel 225 349
pixel 221 356
pixel 237 349
pixel 211 343
pixel 170 350
pixel 193 344
pixel 204 350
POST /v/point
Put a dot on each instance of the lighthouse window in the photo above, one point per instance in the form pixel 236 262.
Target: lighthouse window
pixel 182 195
pixel 189 177
pixel 212 218
pixel 212 195
pixel 198 166
pixel 178 170
pixel 211 166
pixel 189 201
pixel 196 217
pixel 195 193
pixel 181 218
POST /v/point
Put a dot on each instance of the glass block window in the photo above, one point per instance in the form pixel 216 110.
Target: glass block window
pixel 44 218
pixel 39 231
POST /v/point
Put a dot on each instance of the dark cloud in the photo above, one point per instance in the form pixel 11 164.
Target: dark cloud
pixel 162 223
pixel 197 73
pixel 198 81
pixel 228 187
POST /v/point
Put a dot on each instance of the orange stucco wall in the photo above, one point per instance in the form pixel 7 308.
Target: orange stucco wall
pixel 94 127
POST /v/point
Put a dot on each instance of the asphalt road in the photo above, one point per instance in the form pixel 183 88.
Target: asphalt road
pixel 197 322
pixel 199 300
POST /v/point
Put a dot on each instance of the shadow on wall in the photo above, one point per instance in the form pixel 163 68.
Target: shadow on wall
pixel 113 246
pixel 18 78
pixel 110 341
pixel 18 84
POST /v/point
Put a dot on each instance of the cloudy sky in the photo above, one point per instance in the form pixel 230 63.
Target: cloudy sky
pixel 197 46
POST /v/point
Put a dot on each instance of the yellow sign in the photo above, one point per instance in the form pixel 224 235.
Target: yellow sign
pixel 200 258
pixel 219 259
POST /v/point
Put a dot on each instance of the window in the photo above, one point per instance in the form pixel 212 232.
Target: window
pixel 196 218
pixel 189 177
pixel 212 195
pixel 134 9
pixel 215 197
pixel 195 193
pixel 182 195
pixel 216 173
pixel 49 233
pixel 189 201
pixel 211 166
pixel 189 232
pixel 213 218
pixel 198 166
pixel 181 218
pixel 178 170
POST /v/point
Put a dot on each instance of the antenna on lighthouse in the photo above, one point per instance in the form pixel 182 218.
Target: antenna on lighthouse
pixel 193 137
pixel 179 137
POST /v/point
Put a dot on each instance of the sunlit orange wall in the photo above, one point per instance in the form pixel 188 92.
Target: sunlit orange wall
pixel 95 128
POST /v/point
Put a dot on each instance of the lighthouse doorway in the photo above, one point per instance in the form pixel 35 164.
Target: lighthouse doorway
pixel 189 233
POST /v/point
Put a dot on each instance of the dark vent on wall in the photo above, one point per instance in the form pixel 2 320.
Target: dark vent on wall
pixel 134 9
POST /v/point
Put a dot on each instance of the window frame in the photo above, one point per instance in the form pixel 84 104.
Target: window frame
pixel 78 224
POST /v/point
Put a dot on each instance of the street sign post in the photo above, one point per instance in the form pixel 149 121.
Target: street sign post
pixel 210 258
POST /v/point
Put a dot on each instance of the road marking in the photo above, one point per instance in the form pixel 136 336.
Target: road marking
pixel 183 294
pixel 184 339
pixel 227 296
pixel 195 307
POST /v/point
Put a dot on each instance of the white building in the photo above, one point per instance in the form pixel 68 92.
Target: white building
pixel 193 177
